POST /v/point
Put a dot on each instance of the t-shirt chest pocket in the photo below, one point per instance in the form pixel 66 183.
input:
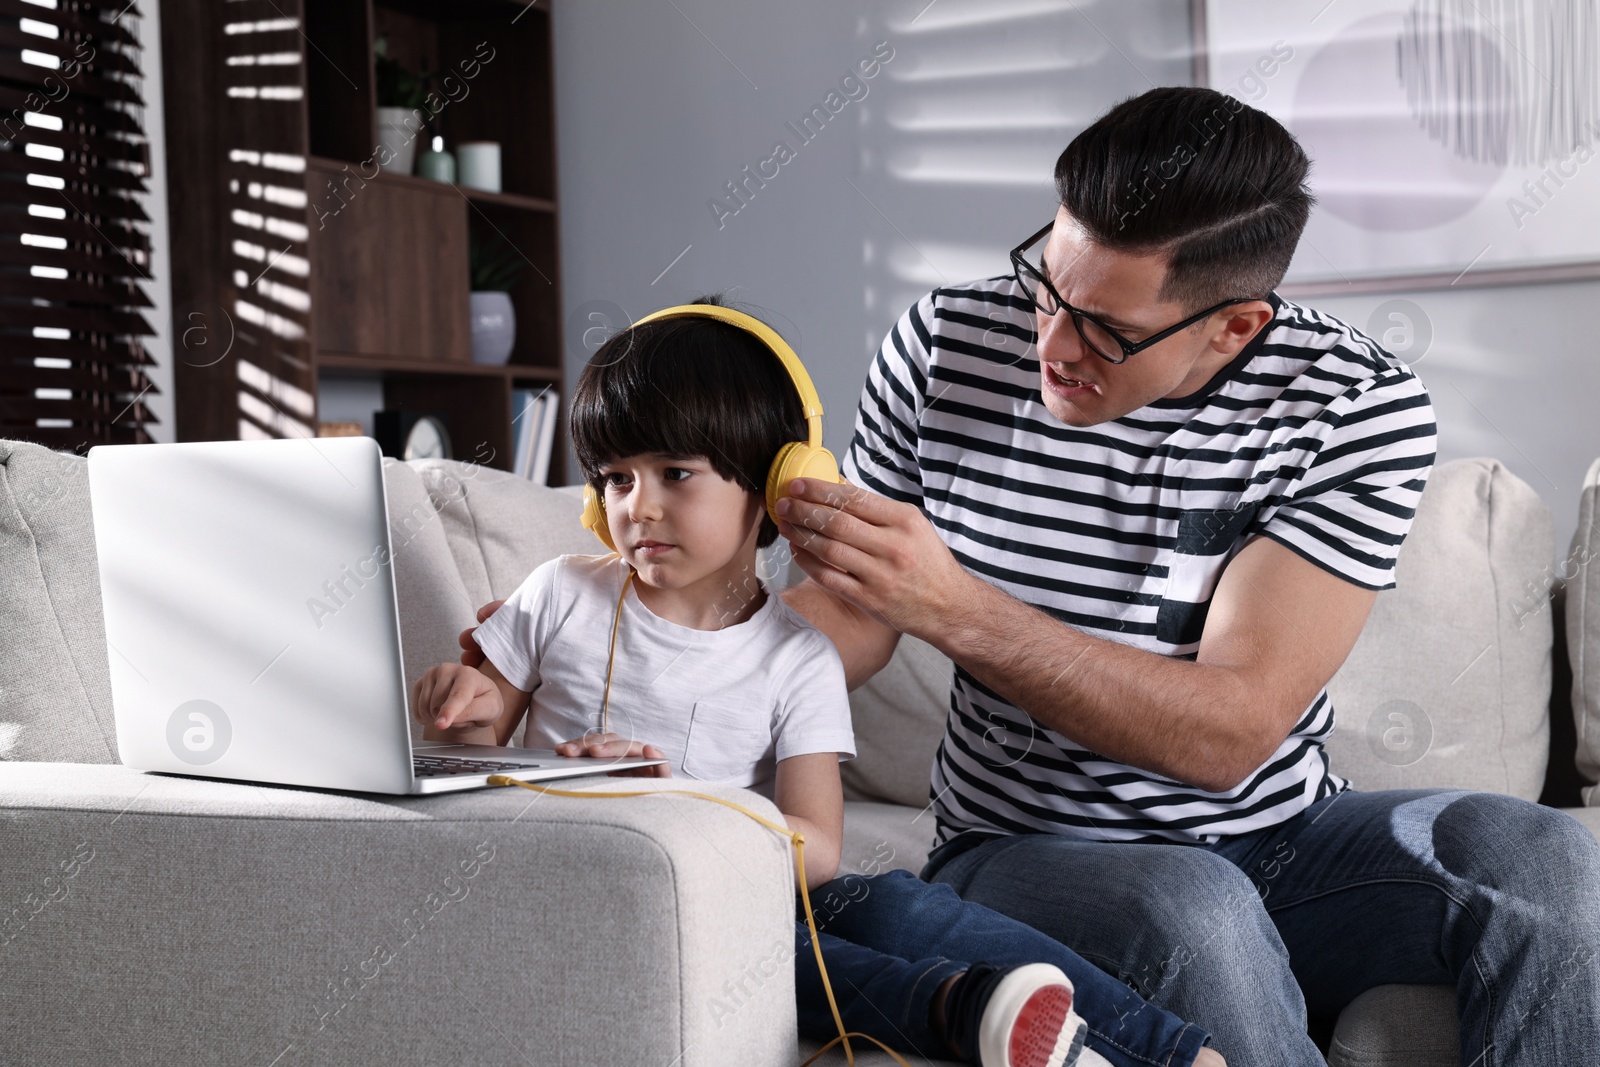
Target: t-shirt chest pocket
pixel 1206 537
pixel 725 741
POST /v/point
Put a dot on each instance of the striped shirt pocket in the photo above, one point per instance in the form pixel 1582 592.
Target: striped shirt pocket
pixel 1205 541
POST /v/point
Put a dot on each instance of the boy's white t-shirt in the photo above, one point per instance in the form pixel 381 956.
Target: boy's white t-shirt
pixel 723 705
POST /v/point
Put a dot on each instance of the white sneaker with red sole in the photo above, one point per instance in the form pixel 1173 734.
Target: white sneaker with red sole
pixel 1029 1021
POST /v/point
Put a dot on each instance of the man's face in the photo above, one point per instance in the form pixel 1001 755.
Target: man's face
pixel 1120 289
pixel 679 523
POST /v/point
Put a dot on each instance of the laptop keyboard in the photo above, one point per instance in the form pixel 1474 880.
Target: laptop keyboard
pixel 435 766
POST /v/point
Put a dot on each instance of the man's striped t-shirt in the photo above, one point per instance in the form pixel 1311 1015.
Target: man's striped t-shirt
pixel 1313 436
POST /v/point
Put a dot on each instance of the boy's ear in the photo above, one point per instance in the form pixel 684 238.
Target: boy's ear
pixel 758 505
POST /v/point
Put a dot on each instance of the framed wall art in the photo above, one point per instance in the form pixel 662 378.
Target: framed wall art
pixel 1453 142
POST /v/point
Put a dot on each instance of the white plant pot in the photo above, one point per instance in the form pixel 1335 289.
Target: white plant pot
pixel 397 132
pixel 494 328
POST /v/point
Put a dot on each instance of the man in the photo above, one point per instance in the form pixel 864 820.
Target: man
pixel 1145 506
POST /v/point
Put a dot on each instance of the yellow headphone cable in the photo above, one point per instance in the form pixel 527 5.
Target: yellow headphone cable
pixel 800 459
pixel 797 839
pixel 611 657
pixel 799 843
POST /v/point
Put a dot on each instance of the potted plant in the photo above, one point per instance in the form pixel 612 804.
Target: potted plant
pixel 401 94
pixel 495 267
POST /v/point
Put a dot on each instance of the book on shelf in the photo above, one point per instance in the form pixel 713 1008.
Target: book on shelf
pixel 522 419
pixel 534 421
pixel 545 445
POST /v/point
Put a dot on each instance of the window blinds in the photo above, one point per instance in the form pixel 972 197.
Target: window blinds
pixel 73 162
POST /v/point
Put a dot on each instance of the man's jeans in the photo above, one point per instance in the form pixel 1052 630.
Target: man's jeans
pixel 890 940
pixel 1494 896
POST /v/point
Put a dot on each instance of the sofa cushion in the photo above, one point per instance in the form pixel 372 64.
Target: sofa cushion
pixel 500 527
pixel 1449 683
pixel 885 837
pixel 899 716
pixel 1583 631
pixel 433 604
pixel 55 684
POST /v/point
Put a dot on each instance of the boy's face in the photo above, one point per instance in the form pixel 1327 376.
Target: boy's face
pixel 679 523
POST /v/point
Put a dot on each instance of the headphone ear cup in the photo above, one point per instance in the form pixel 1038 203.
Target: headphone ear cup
pixel 797 459
pixel 594 517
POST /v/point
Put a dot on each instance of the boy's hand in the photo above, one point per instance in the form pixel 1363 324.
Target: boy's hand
pixel 471 654
pixel 452 695
pixel 610 746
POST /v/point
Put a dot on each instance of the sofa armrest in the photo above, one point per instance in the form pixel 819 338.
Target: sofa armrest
pixel 204 922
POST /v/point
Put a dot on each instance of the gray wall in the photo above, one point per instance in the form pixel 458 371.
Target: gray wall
pixel 1512 373
pixel 941 168
pixel 930 177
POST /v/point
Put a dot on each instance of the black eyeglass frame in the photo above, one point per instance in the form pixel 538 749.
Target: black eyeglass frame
pixel 1129 348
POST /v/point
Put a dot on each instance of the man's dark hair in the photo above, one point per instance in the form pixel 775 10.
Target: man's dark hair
pixel 1214 184
pixel 687 387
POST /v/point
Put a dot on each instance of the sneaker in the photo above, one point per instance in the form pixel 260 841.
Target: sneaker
pixel 1014 1017
pixel 1029 1021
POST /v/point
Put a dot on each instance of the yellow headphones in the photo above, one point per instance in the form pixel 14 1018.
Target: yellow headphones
pixel 797 459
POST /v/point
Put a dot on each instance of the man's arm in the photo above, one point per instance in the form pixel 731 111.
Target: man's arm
pixel 865 644
pixel 1277 630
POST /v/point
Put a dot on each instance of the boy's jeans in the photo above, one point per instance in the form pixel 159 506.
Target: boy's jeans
pixel 1495 896
pixel 890 940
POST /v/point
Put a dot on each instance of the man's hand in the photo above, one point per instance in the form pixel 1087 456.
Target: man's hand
pixel 452 696
pixel 471 654
pixel 1278 628
pixel 613 746
pixel 881 555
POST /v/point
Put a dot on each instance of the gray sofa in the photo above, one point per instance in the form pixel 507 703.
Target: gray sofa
pixel 162 919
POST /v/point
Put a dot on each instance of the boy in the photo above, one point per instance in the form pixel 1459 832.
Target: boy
pixel 675 423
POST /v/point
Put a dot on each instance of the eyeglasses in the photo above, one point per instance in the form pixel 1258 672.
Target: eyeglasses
pixel 1101 339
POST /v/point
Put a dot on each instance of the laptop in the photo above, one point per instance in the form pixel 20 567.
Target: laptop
pixel 252 627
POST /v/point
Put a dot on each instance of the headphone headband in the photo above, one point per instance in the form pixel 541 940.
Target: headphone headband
pixel 809 399
pixel 796 459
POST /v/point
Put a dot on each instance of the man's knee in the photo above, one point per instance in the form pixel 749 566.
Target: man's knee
pixel 1514 841
pixel 1563 846
pixel 1206 924
pixel 1149 913
pixel 1539 864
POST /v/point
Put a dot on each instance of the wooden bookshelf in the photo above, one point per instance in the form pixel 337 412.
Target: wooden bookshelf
pixel 357 361
pixel 370 278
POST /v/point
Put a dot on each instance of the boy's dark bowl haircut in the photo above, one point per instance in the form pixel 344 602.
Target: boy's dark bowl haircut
pixel 687 387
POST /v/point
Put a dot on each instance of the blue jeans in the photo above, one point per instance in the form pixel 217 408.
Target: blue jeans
pixel 890 940
pixel 1494 896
